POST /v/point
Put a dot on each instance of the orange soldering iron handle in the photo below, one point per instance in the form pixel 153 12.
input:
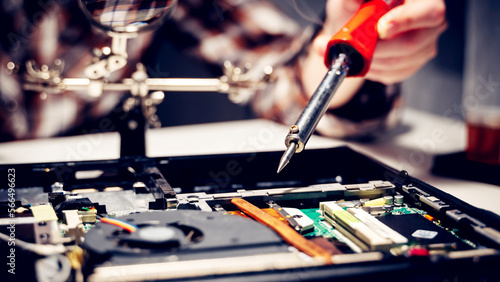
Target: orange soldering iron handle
pixel 357 39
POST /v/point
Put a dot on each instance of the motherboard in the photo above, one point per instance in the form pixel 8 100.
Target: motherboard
pixel 230 217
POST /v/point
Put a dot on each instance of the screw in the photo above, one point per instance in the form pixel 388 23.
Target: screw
pixel 11 66
pixel 57 187
pixel 294 129
pixel 133 124
pixel 268 70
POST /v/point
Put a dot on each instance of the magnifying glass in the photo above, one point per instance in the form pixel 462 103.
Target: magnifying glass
pixel 127 16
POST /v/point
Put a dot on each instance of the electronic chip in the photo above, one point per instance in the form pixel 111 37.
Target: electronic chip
pixel 411 225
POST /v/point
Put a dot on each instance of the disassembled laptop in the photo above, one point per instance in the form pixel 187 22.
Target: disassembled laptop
pixel 228 217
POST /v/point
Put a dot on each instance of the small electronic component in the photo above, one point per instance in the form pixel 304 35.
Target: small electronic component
pixel 386 200
pixel 351 226
pixel 398 200
pixel 416 228
pixel 363 228
pixel 75 228
pixel 71 218
pixel 377 226
pixel 429 217
pixel 88 215
pixel 389 200
pixel 304 223
pixel 43 212
pixel 47 232
pixel 297 219
pixel 374 203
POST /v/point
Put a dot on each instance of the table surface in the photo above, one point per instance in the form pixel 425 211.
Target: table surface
pixel 412 147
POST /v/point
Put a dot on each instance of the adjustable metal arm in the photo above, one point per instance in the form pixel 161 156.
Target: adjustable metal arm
pixel 232 82
pixel 153 84
pixel 145 92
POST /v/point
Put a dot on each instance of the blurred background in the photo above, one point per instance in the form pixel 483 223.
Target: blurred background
pixel 436 88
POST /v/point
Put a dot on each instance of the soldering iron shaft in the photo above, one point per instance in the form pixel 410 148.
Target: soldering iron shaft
pixel 318 104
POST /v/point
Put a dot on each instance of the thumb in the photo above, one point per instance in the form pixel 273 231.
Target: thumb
pixel 411 15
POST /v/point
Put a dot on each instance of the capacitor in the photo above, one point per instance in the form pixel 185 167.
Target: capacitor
pixel 388 200
pixel 398 200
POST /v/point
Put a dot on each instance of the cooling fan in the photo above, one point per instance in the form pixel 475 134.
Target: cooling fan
pixel 178 235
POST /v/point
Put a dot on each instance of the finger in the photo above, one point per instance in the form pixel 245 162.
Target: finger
pixel 420 57
pixel 401 72
pixel 391 76
pixel 407 43
pixel 320 43
pixel 344 6
pixel 351 6
pixel 411 15
pixel 384 47
pixel 338 12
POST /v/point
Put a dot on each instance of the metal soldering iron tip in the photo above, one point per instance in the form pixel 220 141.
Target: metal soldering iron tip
pixel 287 156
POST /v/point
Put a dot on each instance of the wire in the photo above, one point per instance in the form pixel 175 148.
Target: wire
pixel 284 230
pixel 43 250
pixel 120 223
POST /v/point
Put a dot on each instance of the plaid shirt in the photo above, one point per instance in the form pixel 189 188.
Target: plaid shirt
pixel 235 30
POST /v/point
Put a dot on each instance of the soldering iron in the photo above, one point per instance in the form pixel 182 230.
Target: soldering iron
pixel 348 53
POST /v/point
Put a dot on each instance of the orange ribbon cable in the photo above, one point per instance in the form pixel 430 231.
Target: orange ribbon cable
pixel 286 232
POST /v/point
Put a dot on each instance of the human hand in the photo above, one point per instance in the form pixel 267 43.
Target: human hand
pixel 408 39
pixel 409 34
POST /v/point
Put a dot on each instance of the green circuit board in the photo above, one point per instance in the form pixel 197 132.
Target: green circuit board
pixel 324 229
pixel 321 227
